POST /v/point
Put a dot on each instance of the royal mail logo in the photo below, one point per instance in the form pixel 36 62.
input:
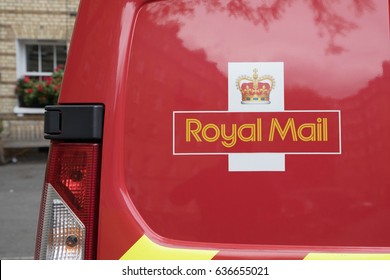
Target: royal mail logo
pixel 279 132
pixel 256 137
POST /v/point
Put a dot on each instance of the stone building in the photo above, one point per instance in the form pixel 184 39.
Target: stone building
pixel 34 39
pixel 34 36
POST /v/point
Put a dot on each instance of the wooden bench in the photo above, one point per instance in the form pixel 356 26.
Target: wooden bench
pixel 21 132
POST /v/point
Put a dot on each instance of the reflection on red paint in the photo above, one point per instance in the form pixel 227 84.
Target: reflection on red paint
pixel 336 56
pixel 319 199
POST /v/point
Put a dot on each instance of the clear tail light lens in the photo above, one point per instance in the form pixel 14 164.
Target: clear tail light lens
pixel 63 232
pixel 68 218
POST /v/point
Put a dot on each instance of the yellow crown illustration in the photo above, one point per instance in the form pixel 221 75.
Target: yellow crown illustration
pixel 255 89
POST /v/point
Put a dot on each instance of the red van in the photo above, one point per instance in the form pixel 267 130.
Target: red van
pixel 236 129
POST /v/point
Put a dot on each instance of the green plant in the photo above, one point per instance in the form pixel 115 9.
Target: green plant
pixel 39 92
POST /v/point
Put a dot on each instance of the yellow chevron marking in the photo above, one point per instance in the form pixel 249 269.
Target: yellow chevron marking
pixel 146 249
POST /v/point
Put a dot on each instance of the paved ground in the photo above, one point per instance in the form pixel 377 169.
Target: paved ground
pixel 20 193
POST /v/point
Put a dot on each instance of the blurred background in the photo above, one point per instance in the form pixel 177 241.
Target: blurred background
pixel 34 43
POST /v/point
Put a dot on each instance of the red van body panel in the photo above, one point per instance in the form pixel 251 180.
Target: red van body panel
pixel 158 65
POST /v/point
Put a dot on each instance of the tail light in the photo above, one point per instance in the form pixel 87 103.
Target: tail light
pixel 69 209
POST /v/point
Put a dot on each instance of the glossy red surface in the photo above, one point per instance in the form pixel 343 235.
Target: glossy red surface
pixel 173 56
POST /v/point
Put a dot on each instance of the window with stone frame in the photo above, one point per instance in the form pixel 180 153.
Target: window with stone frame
pixel 39 58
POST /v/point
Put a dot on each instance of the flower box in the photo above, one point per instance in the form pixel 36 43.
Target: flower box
pixel 35 92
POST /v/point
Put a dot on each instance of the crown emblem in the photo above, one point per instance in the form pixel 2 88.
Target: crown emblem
pixel 255 89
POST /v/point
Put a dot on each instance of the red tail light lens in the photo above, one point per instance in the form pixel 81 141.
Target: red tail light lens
pixel 68 216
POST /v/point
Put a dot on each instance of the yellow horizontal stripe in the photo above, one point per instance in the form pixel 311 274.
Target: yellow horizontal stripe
pixel 336 256
pixel 146 249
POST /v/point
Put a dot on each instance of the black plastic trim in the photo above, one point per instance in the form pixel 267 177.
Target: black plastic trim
pixel 74 122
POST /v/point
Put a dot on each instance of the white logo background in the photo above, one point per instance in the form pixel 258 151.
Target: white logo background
pixel 256 161
pixel 238 69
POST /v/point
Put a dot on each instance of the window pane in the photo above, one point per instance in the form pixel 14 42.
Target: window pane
pixel 61 55
pixel 32 58
pixel 47 58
